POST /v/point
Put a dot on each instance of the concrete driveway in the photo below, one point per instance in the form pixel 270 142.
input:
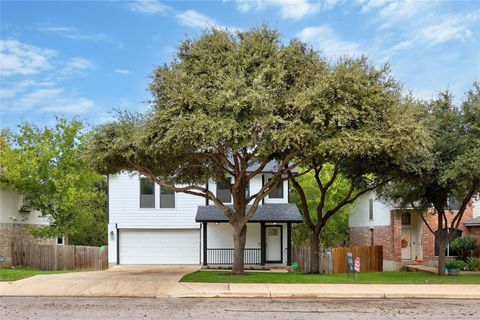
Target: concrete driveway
pixel 119 281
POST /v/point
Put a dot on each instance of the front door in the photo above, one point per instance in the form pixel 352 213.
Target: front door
pixel 406 243
pixel 274 243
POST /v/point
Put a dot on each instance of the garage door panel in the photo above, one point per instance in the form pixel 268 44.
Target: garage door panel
pixel 179 246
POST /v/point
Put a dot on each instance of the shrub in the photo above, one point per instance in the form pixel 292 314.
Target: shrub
pixel 473 264
pixel 455 264
pixel 464 246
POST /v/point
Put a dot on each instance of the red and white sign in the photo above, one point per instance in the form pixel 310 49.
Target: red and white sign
pixel 357 264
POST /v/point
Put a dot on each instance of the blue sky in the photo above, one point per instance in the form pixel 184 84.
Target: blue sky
pixel 87 58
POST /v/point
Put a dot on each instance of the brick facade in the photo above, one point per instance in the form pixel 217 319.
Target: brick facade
pixel 390 236
pixel 10 232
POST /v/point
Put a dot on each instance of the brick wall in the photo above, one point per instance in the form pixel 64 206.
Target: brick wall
pixel 390 236
pixel 382 236
pixel 432 220
pixel 10 232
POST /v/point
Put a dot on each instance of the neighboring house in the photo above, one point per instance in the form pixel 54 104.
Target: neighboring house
pixel 402 233
pixel 151 225
pixel 15 223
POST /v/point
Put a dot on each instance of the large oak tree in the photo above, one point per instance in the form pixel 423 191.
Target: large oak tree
pixel 226 102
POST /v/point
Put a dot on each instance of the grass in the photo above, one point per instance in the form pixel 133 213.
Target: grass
pixel 371 277
pixel 21 273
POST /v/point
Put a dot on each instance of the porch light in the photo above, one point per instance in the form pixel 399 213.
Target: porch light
pixel 112 235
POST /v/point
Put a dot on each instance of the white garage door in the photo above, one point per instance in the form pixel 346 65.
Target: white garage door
pixel 176 246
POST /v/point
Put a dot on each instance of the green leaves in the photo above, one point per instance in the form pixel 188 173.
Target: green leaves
pixel 45 165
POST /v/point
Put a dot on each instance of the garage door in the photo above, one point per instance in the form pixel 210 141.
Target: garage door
pixel 178 246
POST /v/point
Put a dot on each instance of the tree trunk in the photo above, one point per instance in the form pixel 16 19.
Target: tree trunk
pixel 314 252
pixel 442 243
pixel 65 238
pixel 239 239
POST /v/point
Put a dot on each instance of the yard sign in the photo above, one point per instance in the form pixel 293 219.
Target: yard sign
pixel 357 264
pixel 350 263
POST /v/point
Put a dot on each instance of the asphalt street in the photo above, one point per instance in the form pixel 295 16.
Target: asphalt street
pixel 50 308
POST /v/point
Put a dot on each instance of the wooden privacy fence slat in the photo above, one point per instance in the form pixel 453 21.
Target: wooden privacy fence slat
pixel 58 257
pixel 335 260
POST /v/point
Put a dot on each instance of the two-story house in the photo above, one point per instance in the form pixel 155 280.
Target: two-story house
pixel 152 225
pixel 402 233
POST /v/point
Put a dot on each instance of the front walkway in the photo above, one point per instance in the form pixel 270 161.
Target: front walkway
pixel 162 281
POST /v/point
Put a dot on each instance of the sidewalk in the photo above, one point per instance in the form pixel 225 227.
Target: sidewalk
pixel 132 289
pixel 330 291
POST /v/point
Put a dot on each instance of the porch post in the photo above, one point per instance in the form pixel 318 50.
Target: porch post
pixel 263 242
pixel 289 243
pixel 204 243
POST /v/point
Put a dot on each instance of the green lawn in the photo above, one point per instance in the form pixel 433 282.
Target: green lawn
pixel 20 273
pixel 223 276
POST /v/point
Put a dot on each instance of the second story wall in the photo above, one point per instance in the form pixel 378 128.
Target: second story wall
pixel 125 211
pixel 10 204
pixel 361 212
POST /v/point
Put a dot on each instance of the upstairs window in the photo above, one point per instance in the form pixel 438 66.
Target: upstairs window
pixel 370 209
pixel 167 198
pixel 406 219
pixel 223 193
pixel 277 193
pixel 147 193
pixel 453 204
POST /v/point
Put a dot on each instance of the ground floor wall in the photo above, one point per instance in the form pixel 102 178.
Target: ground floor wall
pixel 10 232
pixel 421 241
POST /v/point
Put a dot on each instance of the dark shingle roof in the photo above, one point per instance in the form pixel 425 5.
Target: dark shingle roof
pixel 269 212
pixel 473 222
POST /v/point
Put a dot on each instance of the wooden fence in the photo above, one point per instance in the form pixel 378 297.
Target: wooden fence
pixel 335 260
pixel 59 257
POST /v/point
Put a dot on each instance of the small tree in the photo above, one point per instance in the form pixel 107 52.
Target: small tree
pixel 44 164
pixel 451 171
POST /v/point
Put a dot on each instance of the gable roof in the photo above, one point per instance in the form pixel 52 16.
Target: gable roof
pixel 269 212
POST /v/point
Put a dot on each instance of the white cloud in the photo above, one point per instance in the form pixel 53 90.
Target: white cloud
pixel 75 34
pixel 149 7
pixel 289 9
pixel 324 38
pixel 193 19
pixel 37 77
pixel 17 58
pixel 451 27
pixel 21 86
pixel 122 71
pixel 51 100
pixel 196 20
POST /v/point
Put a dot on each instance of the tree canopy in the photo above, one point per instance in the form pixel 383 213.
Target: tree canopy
pixel 45 165
pixel 450 171
pixel 228 101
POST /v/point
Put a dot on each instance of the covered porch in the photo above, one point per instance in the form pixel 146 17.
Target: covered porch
pixel 269 235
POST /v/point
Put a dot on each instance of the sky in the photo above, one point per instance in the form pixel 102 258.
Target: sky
pixel 86 59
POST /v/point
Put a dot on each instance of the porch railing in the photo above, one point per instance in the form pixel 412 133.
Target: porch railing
pixel 225 256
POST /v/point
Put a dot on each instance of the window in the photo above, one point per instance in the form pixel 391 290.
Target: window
pixel 453 204
pixel 223 193
pixel 406 218
pixel 247 190
pixel 370 209
pixel 167 198
pixel 147 193
pixel 277 193
pixel 448 252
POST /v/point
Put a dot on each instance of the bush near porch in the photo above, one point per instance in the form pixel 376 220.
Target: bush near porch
pixel 291 278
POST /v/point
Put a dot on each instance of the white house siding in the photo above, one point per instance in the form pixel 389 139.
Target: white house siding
pixel 360 215
pixel 125 211
pixel 476 207
pixel 10 203
pixel 220 236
